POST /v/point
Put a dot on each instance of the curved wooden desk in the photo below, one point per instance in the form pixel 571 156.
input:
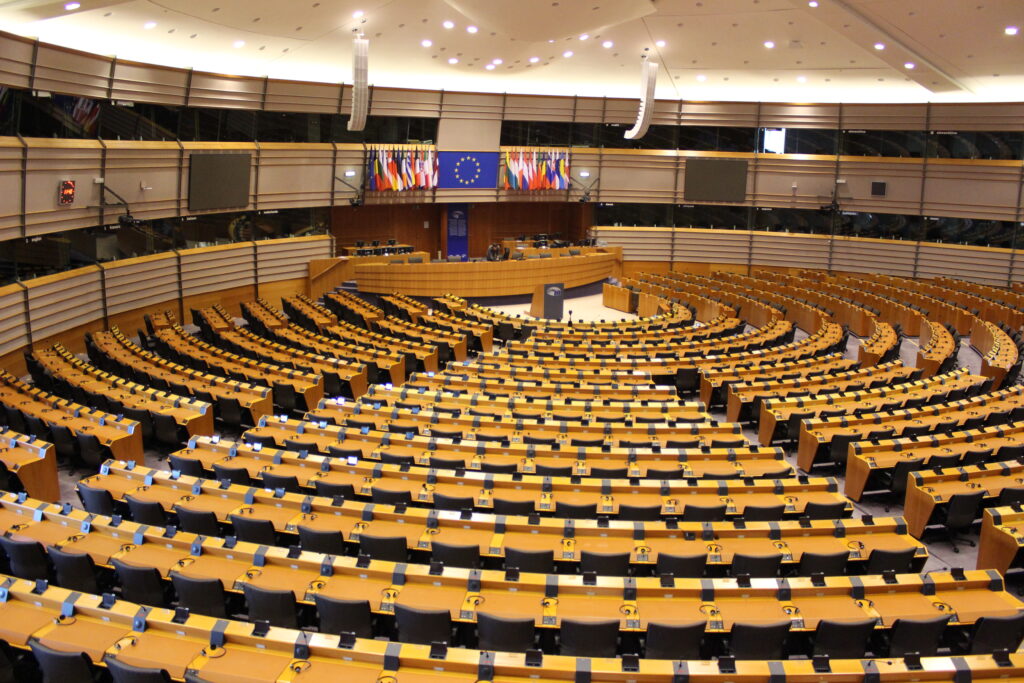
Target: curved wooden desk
pixel 488 278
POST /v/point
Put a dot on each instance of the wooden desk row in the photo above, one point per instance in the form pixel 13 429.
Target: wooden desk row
pixel 776 412
pixel 383 354
pixel 927 491
pixel 643 541
pixel 34 461
pixel 997 349
pixel 227 651
pixel 122 437
pixel 743 397
pixel 882 342
pixel 713 381
pixel 936 345
pixel 607 342
pixel 175 341
pixel 1002 536
pixel 195 416
pixel 128 357
pixel 352 376
pixel 501 386
pixel 322 436
pixel 817 434
pixel 868 458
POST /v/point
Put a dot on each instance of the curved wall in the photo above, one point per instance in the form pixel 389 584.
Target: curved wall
pixel 64 306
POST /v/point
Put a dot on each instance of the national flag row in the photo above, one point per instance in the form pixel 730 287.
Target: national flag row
pixel 397 170
pixel 536 170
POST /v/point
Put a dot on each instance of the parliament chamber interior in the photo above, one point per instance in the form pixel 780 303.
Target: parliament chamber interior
pixel 474 357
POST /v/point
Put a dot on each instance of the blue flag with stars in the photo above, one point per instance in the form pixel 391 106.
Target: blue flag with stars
pixel 467 170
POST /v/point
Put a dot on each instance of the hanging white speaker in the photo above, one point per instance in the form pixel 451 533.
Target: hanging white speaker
pixel 648 79
pixel 360 87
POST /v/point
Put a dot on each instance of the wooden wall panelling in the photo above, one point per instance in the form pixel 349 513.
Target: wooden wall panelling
pixel 403 223
pixel 50 161
pixel 885 116
pixel 490 223
pixel 621 111
pixel 64 300
pixel 12 153
pixel 788 115
pixel 287 259
pixel 697 245
pixel 16 60
pixel 295 175
pixel 405 102
pixel 994 189
pixel 997 116
pixel 645 176
pixel 146 175
pixel 137 82
pixel 728 114
pixel 638 244
pixel 468 105
pixel 903 178
pixel 159 272
pixel 857 255
pixel 289 96
pixel 547 108
pixel 976 264
pixel 14 328
pixel 225 92
pixel 789 250
pixel 61 70
pixel 812 175
pixel 206 271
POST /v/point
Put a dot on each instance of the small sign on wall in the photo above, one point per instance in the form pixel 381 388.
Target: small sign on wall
pixel 66 193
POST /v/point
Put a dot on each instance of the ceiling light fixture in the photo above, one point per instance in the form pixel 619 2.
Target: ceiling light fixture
pixel 812 3
pixel 497 61
pixel 358 14
pixel 584 36
pixel 149 24
pixel 238 43
pixel 449 24
pixel 489 67
pixel 72 6
pixel 471 29
pixel 701 77
pixel 769 44
pixel 1011 30
pixel 426 42
pixel 607 44
pixel 801 79
pixel 660 43
pixel 567 54
pixel 453 60
pixel 534 60
pixel 909 65
pixel 879 46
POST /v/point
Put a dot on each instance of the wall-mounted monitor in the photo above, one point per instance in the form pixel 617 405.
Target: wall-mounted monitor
pixel 218 181
pixel 715 180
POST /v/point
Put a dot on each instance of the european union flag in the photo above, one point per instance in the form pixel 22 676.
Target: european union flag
pixel 472 170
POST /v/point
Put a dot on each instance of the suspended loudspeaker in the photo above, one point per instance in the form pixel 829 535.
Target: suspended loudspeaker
pixel 360 89
pixel 648 79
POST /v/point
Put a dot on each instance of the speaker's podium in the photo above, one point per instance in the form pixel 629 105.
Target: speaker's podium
pixel 547 301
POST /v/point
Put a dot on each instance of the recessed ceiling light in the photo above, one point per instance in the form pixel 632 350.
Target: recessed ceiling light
pixel 350 173
pixel 72 6
pixel 1010 30
pixel 567 54
pixel 449 24
pixel 909 65
pixel 238 43
pixel 701 77
pixel 496 61
pixel 812 3
pixel 660 43
pixel 607 44
pixel 879 46
pixel 426 42
pixel 453 60
pixel 149 24
pixel 584 36
pixel 489 67
pixel 471 29
pixel 534 60
pixel 358 14
pixel 769 44
pixel 801 79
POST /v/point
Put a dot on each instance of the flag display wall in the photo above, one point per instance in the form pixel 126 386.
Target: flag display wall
pixel 536 169
pixel 401 170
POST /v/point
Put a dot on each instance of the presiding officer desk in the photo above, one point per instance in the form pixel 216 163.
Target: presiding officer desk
pixel 122 437
pixel 127 358
pixel 490 278
pixel 777 412
pixel 641 539
pixel 227 651
pixel 500 450
pixel 34 461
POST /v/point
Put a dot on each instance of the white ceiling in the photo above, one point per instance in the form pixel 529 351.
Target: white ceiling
pixel 713 49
